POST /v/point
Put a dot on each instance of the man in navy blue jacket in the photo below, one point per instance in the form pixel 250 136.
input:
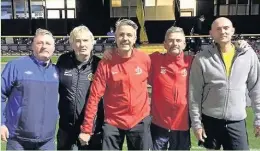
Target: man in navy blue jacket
pixel 29 98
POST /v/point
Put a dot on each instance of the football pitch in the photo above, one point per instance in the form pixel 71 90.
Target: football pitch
pixel 253 142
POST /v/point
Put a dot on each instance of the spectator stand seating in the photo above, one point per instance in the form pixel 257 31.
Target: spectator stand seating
pixel 21 45
pixel 15 45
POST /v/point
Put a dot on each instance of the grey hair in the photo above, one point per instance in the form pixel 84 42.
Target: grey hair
pixel 78 31
pixel 174 29
pixel 127 22
pixel 40 31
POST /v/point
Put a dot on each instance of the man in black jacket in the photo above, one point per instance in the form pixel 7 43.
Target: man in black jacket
pixel 76 70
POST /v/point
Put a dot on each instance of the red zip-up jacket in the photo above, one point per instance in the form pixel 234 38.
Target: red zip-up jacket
pixel 123 83
pixel 169 80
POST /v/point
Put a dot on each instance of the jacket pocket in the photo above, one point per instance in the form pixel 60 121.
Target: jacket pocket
pixel 214 102
pixel 205 95
pixel 236 104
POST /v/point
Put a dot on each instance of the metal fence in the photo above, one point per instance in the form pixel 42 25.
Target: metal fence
pixel 21 45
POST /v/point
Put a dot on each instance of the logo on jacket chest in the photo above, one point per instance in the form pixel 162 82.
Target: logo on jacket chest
pixel 184 72
pixel 28 72
pixel 163 70
pixel 90 77
pixel 55 75
pixel 138 70
pixel 68 73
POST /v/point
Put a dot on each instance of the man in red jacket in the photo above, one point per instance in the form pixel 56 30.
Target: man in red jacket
pixel 123 83
pixel 169 80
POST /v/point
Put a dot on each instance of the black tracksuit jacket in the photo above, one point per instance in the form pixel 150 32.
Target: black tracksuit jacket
pixel 75 81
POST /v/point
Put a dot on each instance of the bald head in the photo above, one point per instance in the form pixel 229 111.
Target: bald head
pixel 221 20
pixel 222 30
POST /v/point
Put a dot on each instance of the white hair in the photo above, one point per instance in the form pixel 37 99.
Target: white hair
pixel 78 31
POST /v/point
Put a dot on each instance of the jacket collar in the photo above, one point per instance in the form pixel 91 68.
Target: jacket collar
pixel 216 48
pixel 117 57
pixel 175 58
pixel 39 62
pixel 77 62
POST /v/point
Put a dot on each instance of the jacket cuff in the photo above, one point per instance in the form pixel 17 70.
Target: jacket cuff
pixel 3 120
pixel 83 129
pixel 197 126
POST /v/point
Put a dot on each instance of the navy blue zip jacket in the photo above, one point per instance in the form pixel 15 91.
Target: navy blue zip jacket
pixel 29 99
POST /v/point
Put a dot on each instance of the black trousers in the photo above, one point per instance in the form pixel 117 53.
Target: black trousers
pixel 231 135
pixel 138 137
pixel 164 139
pixel 69 141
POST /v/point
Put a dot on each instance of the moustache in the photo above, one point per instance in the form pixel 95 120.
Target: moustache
pixel 175 48
pixel 224 35
pixel 44 50
pixel 123 43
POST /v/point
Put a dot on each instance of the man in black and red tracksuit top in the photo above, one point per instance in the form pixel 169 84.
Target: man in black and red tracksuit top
pixel 76 70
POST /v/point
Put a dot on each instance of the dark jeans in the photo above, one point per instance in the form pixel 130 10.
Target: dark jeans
pixel 164 139
pixel 17 144
pixel 69 141
pixel 138 137
pixel 231 135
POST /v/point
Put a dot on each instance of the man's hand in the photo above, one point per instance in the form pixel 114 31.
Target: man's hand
pixel 200 134
pixel 242 44
pixel 257 131
pixel 84 138
pixel 4 133
pixel 107 55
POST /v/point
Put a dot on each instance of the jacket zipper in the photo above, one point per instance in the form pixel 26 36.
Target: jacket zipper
pixel 75 97
pixel 44 103
pixel 175 99
pixel 227 80
pixel 230 73
pixel 129 95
